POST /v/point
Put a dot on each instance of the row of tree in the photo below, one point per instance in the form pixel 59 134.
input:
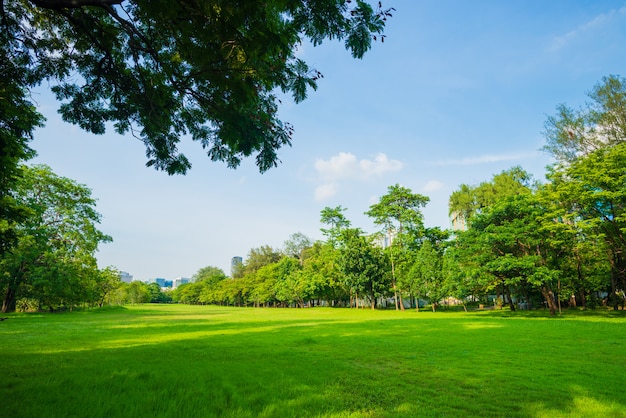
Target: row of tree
pixel 521 242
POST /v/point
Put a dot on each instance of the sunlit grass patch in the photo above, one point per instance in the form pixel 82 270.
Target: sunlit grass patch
pixel 190 361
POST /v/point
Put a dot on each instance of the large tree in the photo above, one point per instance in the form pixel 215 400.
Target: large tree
pixel 160 70
pixel 363 265
pixel 55 244
pixel 469 201
pixel 601 123
pixel 399 214
pixel 591 193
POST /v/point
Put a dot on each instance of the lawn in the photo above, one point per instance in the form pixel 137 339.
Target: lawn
pixel 207 361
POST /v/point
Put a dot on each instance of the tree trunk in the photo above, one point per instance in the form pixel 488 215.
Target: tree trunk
pixel 9 302
pixel 549 296
pixel 393 278
pixel 583 298
pixel 509 299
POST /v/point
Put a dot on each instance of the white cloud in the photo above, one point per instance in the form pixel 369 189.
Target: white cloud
pixel 325 191
pixel 432 186
pixel 599 21
pixel 346 166
pixel 484 159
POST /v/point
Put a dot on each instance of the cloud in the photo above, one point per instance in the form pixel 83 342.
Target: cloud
pixel 484 159
pixel 345 167
pixel 599 21
pixel 432 186
pixel 325 191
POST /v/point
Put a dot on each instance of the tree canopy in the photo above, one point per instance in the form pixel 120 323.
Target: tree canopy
pixel 160 70
pixel 54 257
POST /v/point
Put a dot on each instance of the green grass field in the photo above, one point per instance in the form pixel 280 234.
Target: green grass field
pixel 200 361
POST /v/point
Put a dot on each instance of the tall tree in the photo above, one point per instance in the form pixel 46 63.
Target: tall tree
pixel 592 195
pixel 295 245
pixel 363 265
pixel 426 275
pixel 161 70
pixel 259 257
pixel 468 201
pixel 210 275
pixel 399 213
pixel 57 241
pixel 573 133
pixel 337 221
pixel 508 247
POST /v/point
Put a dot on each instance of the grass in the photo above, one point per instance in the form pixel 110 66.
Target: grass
pixel 193 361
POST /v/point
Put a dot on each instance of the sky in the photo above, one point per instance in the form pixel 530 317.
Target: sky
pixel 458 91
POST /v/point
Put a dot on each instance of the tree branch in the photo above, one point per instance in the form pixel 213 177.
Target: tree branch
pixel 73 4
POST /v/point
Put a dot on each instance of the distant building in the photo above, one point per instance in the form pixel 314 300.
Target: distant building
pixel 180 280
pixel 235 262
pixel 126 277
pixel 385 239
pixel 459 223
pixel 163 283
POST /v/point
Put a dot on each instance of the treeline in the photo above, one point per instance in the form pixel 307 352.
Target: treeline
pixel 517 242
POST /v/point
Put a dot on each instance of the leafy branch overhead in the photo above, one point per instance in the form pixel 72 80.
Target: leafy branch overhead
pixel 161 70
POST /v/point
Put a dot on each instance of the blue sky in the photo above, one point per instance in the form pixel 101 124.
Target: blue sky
pixel 458 91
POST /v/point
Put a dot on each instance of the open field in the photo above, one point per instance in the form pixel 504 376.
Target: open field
pixel 200 361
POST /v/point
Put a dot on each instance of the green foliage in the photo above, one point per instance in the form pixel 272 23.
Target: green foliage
pixel 162 70
pixel 591 196
pixel 337 221
pixel 296 245
pixel 364 266
pixel 469 201
pixel 53 260
pixel 399 210
pixel 601 123
pixel 425 277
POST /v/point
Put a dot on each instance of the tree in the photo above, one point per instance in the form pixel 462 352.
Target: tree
pixel 601 123
pixel 259 257
pixel 337 221
pixel 106 282
pixel 161 70
pixel 296 244
pixel 138 292
pixel 398 212
pixel 18 119
pixel 591 193
pixel 426 275
pixel 290 285
pixel 509 247
pixel 363 266
pixel 56 242
pixel 209 275
pixel 469 201
pixel 323 274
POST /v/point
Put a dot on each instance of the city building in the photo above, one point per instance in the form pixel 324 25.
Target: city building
pixel 126 277
pixel 163 282
pixel 235 262
pixel 180 280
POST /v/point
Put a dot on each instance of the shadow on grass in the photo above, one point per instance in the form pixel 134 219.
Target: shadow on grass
pixel 210 366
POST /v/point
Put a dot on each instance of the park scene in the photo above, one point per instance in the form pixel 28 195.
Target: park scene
pixel 390 254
